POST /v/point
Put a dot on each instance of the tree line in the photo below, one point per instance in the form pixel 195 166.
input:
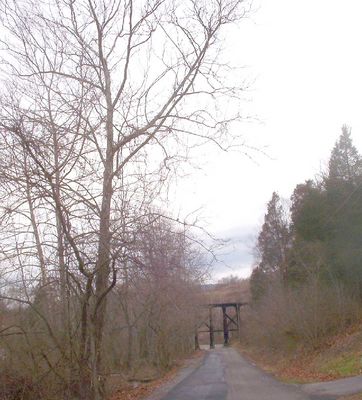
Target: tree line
pixel 307 282
pixel 320 235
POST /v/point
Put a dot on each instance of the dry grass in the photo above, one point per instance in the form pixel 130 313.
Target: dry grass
pixel 339 357
pixel 143 390
pixel 298 369
pixel 140 391
pixel 232 290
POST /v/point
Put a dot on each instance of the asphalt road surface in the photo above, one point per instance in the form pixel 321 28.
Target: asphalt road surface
pixel 225 375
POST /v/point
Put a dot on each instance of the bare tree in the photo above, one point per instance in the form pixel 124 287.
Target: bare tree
pixel 101 100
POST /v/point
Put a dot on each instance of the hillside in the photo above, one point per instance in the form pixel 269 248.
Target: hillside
pixel 228 290
pixel 338 357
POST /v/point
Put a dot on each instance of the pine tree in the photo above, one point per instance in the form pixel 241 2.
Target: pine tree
pixel 309 211
pixel 258 283
pixel 344 198
pixel 345 163
pixel 310 231
pixel 273 240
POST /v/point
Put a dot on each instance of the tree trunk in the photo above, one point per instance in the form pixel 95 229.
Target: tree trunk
pixel 104 253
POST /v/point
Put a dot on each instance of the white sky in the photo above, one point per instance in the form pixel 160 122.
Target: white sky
pixel 306 57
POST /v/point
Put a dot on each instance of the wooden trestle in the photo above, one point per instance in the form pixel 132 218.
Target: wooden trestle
pixel 229 323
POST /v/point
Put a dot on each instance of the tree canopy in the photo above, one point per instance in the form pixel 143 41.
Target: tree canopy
pixel 324 235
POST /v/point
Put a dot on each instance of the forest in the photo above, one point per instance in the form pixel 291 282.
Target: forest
pixel 307 282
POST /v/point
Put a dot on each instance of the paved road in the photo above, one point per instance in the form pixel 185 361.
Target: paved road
pixel 225 375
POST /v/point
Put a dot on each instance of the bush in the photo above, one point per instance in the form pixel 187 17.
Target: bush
pixel 306 316
pixel 16 387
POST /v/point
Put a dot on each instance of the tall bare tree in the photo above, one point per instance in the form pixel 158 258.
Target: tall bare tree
pixel 100 100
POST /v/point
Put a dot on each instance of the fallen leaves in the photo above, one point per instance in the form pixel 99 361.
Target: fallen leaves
pixel 298 369
pixel 338 356
pixel 140 391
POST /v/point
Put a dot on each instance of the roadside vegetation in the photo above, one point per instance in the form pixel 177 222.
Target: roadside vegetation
pixel 306 287
pixel 104 105
pixel 149 325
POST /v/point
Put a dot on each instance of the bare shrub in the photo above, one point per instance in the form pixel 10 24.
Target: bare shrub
pixel 304 316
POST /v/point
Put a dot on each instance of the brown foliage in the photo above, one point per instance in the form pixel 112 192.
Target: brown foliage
pixel 306 316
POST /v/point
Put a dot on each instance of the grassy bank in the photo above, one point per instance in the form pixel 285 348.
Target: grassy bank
pixel 340 356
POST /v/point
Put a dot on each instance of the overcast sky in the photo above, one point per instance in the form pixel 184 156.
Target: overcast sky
pixel 306 59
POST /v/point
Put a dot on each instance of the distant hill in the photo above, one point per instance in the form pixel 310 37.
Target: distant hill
pixel 228 290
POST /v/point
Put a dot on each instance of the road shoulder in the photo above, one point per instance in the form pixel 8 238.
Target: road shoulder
pixel 188 367
pixel 337 388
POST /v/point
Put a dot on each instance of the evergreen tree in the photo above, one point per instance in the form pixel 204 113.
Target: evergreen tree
pixel 258 283
pixel 272 247
pixel 309 211
pixel 344 197
pixel 345 163
pixel 324 238
pixel 309 215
